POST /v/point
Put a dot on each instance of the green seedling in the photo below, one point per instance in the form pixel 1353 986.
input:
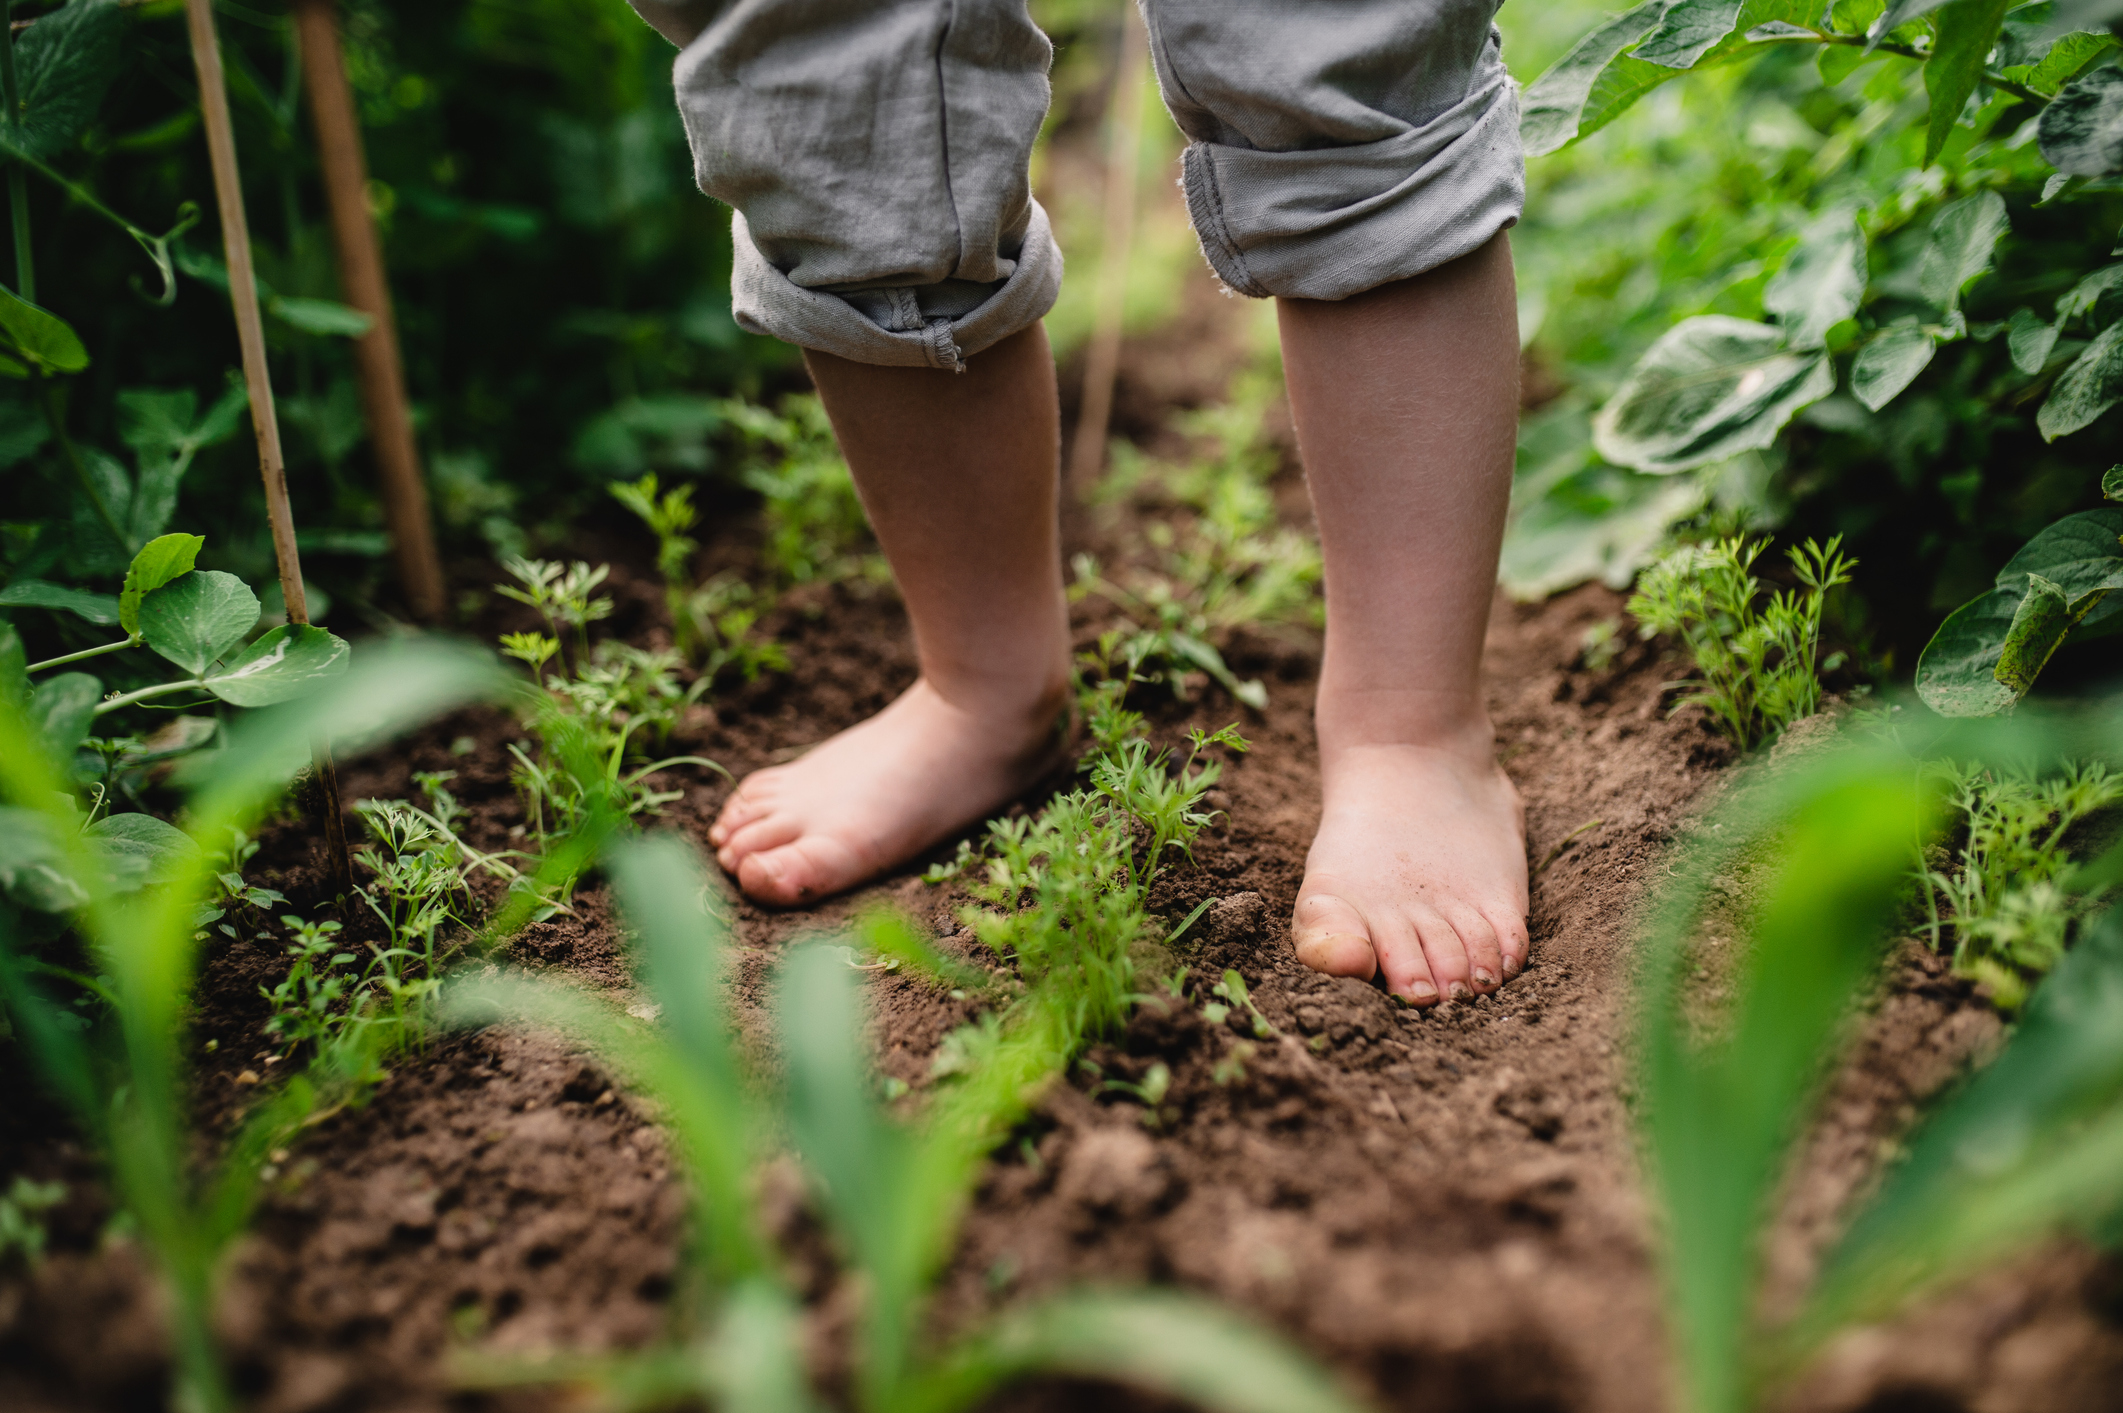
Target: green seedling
pixel 1166 642
pixel 890 1194
pixel 1757 660
pixel 123 1078
pixel 307 1002
pixel 711 622
pixel 1234 998
pixel 562 595
pixel 1232 1068
pixel 22 1233
pixel 1150 1091
pixel 816 530
pixel 2005 895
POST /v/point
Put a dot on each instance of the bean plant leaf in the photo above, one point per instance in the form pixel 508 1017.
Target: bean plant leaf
pixel 2039 624
pixel 1688 30
pixel 2081 131
pixel 35 341
pixel 1890 363
pixel 2030 338
pixel 2084 298
pixel 33 866
pixel 1710 388
pixel 197 617
pixel 1957 673
pixel 1963 237
pixel 1821 282
pixel 1553 107
pixel 2066 58
pixel 1965 32
pixel 2112 483
pixel 159 561
pixel 99 609
pixel 65 62
pixel 288 662
pixel 1899 13
pixel 2089 387
pixel 2081 553
pixel 61 710
pixel 139 849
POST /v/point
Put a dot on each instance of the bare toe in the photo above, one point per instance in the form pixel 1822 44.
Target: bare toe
pixel 1511 936
pixel 761 834
pixel 811 867
pixel 1331 937
pixel 1485 954
pixel 1444 952
pixel 1407 970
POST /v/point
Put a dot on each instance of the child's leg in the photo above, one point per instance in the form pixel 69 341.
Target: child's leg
pixel 959 475
pixel 1406 402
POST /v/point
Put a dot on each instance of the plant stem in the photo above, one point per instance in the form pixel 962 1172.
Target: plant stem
pixel 85 653
pixel 1910 51
pixel 161 689
pixel 17 183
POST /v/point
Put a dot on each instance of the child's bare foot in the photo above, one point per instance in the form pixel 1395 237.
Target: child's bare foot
pixel 1418 870
pixel 881 792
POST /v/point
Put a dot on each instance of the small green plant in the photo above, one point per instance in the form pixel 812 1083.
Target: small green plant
pixel 2006 893
pixel 563 597
pixel 1757 659
pixel 22 1233
pixel 711 622
pixel 814 519
pixel 1233 997
pixel 309 1002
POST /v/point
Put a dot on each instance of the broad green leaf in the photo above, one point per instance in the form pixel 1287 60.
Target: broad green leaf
pixel 1899 13
pixel 198 617
pixel 1601 523
pixel 319 316
pixel 1963 236
pixel 288 662
pixel 2081 131
pixel 65 62
pixel 2112 483
pixel 139 849
pixel 2081 554
pixel 2089 387
pixel 1552 107
pixel 1688 30
pixel 2039 624
pixel 1821 282
pixel 35 340
pixel 2030 338
pixel 1957 674
pixel 61 709
pixel 165 435
pixel 14 668
pixel 2066 58
pixel 100 609
pixel 1890 363
pixel 1710 388
pixel 2084 298
pixel 33 871
pixel 159 561
pixel 1965 32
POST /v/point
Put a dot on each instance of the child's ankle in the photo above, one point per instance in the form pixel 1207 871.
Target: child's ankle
pixel 1432 720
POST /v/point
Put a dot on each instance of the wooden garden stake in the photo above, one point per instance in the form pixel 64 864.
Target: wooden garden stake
pixel 361 278
pixel 1123 159
pixel 250 332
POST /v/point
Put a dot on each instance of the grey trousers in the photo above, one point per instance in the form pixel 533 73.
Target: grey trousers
pixel 876 152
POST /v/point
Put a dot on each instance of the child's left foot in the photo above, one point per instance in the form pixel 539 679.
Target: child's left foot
pixel 1418 871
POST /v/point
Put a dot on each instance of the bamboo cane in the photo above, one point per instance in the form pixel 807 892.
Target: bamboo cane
pixel 250 333
pixel 1123 160
pixel 361 278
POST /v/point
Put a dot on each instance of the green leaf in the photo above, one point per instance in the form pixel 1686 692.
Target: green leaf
pixel 288 662
pixel 161 428
pixel 2112 483
pixel 1963 237
pixel 1821 282
pixel 2066 58
pixel 2089 387
pixel 32 865
pixel 1688 30
pixel 1553 107
pixel 1966 31
pixel 2030 338
pixel 139 849
pixel 35 340
pixel 14 668
pixel 2081 131
pixel 100 609
pixel 1900 13
pixel 1957 673
pixel 1710 388
pixel 197 617
pixel 61 709
pixel 2039 624
pixel 319 316
pixel 2081 554
pixel 1890 363
pixel 159 561
pixel 65 63
pixel 2084 298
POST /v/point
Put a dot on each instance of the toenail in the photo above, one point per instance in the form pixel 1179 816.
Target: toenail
pixel 1484 977
pixel 1458 991
pixel 1511 967
pixel 1421 991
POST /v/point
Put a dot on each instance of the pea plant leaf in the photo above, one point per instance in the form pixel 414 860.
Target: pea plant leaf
pixel 60 711
pixel 65 62
pixel 1553 107
pixel 1710 388
pixel 1963 237
pixel 99 609
pixel 1890 363
pixel 2030 339
pixel 159 561
pixel 139 849
pixel 288 662
pixel 165 431
pixel 1966 30
pixel 35 341
pixel 1821 282
pixel 1988 652
pixel 2081 131
pixel 2089 387
pixel 197 617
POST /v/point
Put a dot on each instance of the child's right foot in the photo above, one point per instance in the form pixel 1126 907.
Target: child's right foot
pixel 882 792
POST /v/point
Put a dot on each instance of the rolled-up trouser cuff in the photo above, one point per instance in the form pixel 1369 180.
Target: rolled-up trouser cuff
pixel 1331 222
pixel 766 301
